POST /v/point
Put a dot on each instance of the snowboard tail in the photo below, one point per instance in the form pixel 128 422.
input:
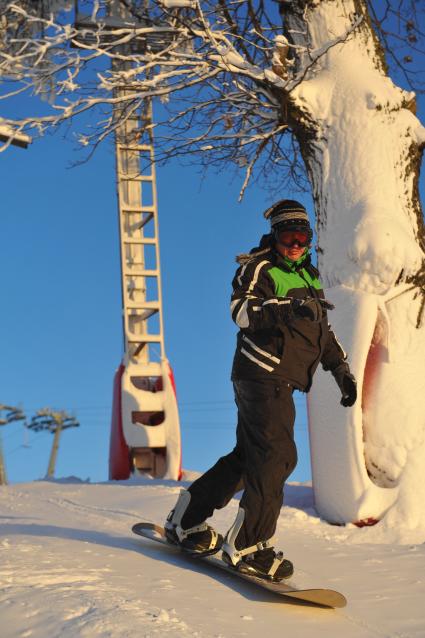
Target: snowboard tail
pixel 322 597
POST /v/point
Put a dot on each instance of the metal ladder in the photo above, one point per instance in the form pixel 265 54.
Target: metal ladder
pixel 139 241
pixel 149 413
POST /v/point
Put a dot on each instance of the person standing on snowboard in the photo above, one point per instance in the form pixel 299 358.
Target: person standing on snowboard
pixel 279 306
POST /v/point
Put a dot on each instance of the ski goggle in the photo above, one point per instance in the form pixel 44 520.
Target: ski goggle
pixel 289 238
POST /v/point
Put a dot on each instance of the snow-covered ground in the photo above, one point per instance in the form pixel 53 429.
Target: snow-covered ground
pixel 70 566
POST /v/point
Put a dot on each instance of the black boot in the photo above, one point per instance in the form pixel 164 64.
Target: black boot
pixel 261 563
pixel 200 540
pixel 259 560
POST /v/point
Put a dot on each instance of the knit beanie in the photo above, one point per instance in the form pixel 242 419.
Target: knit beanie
pixel 286 214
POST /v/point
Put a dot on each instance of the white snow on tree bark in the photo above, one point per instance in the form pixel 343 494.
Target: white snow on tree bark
pixel 360 165
pixel 178 4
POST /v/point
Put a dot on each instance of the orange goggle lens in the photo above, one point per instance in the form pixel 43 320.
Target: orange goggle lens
pixel 291 237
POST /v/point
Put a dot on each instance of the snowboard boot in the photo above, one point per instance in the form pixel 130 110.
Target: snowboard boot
pixel 200 540
pixel 259 560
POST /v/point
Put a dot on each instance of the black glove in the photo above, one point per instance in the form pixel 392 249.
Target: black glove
pixel 309 308
pixel 347 384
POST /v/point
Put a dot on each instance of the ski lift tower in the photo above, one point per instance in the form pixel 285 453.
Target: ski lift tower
pixel 145 430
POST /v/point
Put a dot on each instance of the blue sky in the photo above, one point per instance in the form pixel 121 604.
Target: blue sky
pixel 60 328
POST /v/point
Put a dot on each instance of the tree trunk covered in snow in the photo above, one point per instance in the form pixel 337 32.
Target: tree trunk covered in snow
pixel 362 144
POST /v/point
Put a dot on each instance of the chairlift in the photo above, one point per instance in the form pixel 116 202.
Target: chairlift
pixel 70 422
pixel 48 421
pixel 39 422
pixel 12 414
pixel 15 415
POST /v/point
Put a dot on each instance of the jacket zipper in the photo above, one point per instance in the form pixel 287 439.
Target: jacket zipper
pixel 315 296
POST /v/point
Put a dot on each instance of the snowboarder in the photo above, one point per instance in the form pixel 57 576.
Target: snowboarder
pixel 278 303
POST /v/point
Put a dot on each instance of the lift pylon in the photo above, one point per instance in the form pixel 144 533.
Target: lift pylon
pixel 145 431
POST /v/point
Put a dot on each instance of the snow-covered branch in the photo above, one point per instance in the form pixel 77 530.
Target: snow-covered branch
pixel 222 73
pixel 218 58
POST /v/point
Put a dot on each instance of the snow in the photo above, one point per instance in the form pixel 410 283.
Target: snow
pixel 368 196
pixel 281 41
pixel 7 132
pixel 70 567
pixel 178 4
pixel 385 427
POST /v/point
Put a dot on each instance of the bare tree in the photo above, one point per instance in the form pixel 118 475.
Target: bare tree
pixel 298 92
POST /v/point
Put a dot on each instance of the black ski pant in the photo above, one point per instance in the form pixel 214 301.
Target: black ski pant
pixel 264 457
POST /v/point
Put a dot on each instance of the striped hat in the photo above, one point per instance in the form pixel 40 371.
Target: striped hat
pixel 286 213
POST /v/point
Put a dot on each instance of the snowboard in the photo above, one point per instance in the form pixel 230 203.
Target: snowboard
pixel 322 597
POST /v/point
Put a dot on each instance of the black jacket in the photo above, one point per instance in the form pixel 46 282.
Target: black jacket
pixel 272 342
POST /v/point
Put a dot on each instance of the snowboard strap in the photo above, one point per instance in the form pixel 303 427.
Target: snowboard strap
pixel 238 553
pixel 275 565
pixel 229 548
pixel 184 533
pixel 175 517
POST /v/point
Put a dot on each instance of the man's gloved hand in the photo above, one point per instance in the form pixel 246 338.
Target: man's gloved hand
pixel 347 384
pixel 309 308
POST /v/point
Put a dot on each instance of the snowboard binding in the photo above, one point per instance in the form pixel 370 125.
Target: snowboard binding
pixel 200 540
pixel 259 560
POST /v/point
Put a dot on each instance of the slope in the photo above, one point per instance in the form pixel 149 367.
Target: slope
pixel 70 566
